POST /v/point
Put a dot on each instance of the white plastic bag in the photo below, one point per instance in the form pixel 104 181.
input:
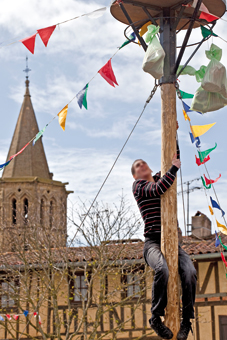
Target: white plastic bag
pixel 153 61
pixel 204 101
pixel 215 76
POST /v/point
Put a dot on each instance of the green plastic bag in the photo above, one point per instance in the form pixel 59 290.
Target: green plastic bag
pixel 153 62
pixel 215 77
pixel 191 71
pixel 204 101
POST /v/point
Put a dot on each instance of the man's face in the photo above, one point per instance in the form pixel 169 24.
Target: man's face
pixel 142 170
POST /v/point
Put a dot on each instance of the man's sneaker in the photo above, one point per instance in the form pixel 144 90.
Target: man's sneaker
pixel 185 328
pixel 161 330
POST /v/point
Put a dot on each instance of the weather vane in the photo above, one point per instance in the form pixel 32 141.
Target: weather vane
pixel 27 70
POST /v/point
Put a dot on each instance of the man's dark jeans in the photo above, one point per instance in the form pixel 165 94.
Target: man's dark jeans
pixel 155 259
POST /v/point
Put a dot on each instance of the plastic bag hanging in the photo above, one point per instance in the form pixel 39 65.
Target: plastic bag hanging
pixel 153 62
pixel 215 77
pixel 204 101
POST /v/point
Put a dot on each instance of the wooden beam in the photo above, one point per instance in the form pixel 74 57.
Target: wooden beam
pixel 169 233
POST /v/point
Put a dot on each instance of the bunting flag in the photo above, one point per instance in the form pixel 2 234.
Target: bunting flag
pixel 25 313
pixel 5 164
pixel 35 314
pixel 186 117
pixel 217 241
pixel 187 108
pixel 207 32
pixel 203 154
pixel 224 246
pixel 211 210
pixel 222 228
pixel 29 43
pixel 16 317
pixel 40 320
pixel 132 37
pixel 143 29
pixel 215 205
pixel 45 34
pixel 39 134
pixel 204 184
pixel 209 181
pixel 96 14
pixel 198 143
pixel 198 161
pixel 107 73
pixel 208 17
pixel 199 130
pixel 8 316
pixel 185 95
pixel 62 117
pixel 19 152
pixel 82 97
pixel 223 259
pixel 1 318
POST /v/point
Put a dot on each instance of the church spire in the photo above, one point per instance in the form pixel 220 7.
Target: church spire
pixel 32 162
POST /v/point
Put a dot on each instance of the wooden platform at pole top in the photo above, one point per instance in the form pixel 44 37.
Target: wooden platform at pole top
pixel 155 7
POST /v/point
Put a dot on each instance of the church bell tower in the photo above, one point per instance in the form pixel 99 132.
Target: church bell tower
pixel 33 206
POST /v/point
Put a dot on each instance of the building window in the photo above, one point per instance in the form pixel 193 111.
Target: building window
pixel 223 327
pixel 7 293
pixel 25 210
pixel 42 211
pixel 51 212
pixel 14 211
pixel 80 288
pixel 133 285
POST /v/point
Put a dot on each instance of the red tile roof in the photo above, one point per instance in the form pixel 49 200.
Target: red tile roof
pixel 112 251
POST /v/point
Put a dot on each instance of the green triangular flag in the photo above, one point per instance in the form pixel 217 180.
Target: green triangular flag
pixel 203 154
pixel 204 184
pixel 185 95
pixel 206 32
pixel 132 37
pixel 84 102
pixel 39 134
pixel 225 247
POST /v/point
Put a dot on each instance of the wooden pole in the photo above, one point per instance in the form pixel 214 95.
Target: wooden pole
pixel 169 233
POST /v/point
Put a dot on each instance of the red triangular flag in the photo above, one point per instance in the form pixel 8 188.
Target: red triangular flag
pixel 223 259
pixel 209 181
pixel 208 17
pixel 29 43
pixel 35 314
pixel 45 33
pixel 40 322
pixel 198 161
pixel 107 73
pixel 19 152
pixel 8 316
pixel 16 317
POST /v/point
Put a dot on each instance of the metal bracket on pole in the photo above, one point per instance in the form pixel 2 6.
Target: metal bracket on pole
pixel 186 38
pixel 133 26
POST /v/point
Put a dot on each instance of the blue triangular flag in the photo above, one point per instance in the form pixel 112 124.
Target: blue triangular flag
pixel 187 108
pixel 197 144
pixel 217 241
pixel 25 313
pixel 1 318
pixel 215 205
pixel 80 96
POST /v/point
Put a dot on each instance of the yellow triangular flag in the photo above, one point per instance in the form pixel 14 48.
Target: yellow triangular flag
pixel 222 228
pixel 62 117
pixel 143 30
pixel 186 117
pixel 199 130
pixel 211 210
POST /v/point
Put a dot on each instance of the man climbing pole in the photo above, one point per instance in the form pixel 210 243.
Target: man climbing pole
pixel 147 190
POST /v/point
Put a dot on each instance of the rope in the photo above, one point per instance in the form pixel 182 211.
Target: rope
pixel 111 169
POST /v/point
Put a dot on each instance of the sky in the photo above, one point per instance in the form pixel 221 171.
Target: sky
pixel 84 153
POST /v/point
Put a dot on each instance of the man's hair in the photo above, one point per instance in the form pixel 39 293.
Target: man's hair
pixel 132 168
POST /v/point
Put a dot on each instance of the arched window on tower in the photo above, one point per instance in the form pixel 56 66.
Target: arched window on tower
pixel 51 212
pixel 14 211
pixel 42 212
pixel 25 210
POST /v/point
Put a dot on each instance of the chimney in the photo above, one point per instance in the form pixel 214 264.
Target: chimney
pixel 201 225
